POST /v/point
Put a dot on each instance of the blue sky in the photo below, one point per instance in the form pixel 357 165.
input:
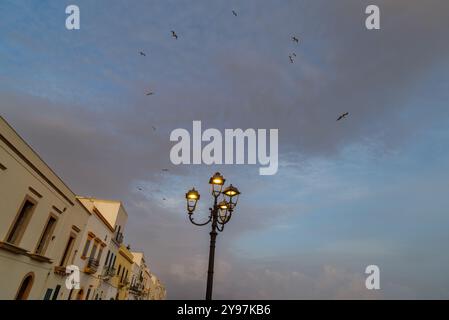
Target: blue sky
pixel 368 190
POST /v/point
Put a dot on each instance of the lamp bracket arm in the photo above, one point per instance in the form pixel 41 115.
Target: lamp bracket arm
pixel 199 224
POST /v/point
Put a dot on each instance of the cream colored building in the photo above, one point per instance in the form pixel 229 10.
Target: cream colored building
pixel 144 284
pixel 122 280
pixel 45 227
pixel 157 289
pixel 41 223
pixel 137 285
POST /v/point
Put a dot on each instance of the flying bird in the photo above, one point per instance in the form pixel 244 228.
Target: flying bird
pixel 165 170
pixel 150 93
pixel 142 53
pixel 344 115
pixel 291 59
pixel 234 13
pixel 154 128
pixel 174 35
pixel 295 39
pixel 294 54
pixel 139 188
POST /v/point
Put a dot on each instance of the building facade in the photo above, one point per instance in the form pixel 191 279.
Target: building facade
pixel 48 233
pixel 139 287
pixel 122 280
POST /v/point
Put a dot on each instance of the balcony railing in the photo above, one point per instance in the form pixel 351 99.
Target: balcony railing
pixel 136 288
pixel 92 265
pixel 124 283
pixel 59 270
pixel 108 272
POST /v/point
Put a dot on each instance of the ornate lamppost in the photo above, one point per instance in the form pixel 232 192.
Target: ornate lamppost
pixel 220 214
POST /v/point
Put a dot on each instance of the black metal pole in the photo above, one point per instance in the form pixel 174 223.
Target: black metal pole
pixel 213 236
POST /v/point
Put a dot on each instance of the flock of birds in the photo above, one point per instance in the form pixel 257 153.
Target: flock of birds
pixel 291 58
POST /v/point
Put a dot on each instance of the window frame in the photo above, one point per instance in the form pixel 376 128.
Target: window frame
pixel 24 293
pixel 93 251
pixel 70 244
pixel 86 247
pixel 27 220
pixel 50 235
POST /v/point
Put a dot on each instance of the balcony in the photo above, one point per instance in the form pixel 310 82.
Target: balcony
pixel 92 266
pixel 108 272
pixel 61 271
pixel 136 288
pixel 124 283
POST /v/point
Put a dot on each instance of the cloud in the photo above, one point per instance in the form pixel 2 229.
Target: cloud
pixel 78 98
pixel 328 282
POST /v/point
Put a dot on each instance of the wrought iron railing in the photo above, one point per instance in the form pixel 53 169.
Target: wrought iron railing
pixel 92 265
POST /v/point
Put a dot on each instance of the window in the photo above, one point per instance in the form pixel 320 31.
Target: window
pixel 67 251
pixel 25 287
pixel 80 295
pixel 70 294
pixel 86 247
pixel 48 294
pixel 99 254
pixel 21 221
pixel 94 250
pixel 46 235
pixel 113 260
pixel 118 233
pixel 55 295
pixel 119 267
pixel 88 294
pixel 107 257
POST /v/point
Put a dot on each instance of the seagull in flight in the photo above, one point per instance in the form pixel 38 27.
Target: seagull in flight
pixel 291 59
pixel 234 13
pixel 295 39
pixel 150 93
pixel 174 35
pixel 142 53
pixel 344 115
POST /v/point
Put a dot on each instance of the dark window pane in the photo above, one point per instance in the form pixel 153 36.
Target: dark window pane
pixel 20 222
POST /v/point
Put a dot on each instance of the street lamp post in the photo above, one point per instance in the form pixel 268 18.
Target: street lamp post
pixel 220 214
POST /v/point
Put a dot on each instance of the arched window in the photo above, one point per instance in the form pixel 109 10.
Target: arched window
pixel 25 287
pixel 80 295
